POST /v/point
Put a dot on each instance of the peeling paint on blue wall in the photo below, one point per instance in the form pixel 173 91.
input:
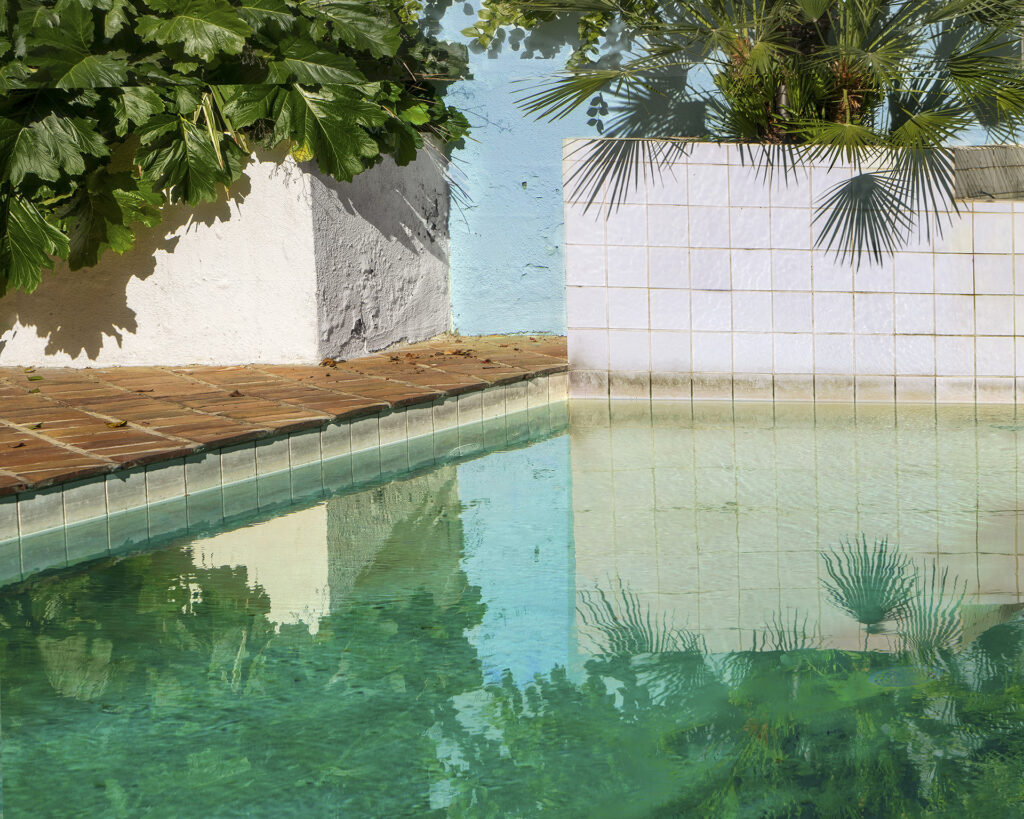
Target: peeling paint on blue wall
pixel 506 222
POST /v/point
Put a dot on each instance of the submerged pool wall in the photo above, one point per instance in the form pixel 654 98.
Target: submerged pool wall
pixel 706 283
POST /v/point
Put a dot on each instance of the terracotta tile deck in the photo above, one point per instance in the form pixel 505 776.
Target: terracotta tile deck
pixel 58 425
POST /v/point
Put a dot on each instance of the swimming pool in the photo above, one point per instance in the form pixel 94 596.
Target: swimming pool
pixel 665 610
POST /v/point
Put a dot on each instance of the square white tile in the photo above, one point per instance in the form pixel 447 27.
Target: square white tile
pixel 586 306
pixel 471 408
pixel 710 269
pixel 629 350
pixel 752 352
pixel 954 273
pixel 954 315
pixel 583 226
pixel 667 185
pixel 752 311
pixel 791 228
pixel 750 227
pixel 873 312
pixel 792 313
pixel 711 310
pixel 366 432
pixel 833 354
pixel 627 308
pixel 627 266
pixel 668 267
pixel 670 309
pixel 627 225
pixel 585 265
pixel 874 355
pixel 272 455
pixel 954 356
pixel 993 275
pixel 914 272
pixel 493 403
pixel 39 511
pixel 708 184
pixel 831 272
pixel 833 312
pixel 127 490
pixel 516 394
pixel 993 356
pixel 336 440
pixel 794 353
pixel 237 463
pixel 667 226
pixel 711 352
pixel 83 500
pixel 752 269
pixel 993 315
pixel 670 352
pixel 420 418
pixel 709 227
pixel 791 270
pixel 914 355
pixel 993 233
pixel 588 349
pixel 915 313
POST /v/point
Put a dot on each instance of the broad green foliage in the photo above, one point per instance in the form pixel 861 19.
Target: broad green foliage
pixel 112 109
pixel 877 84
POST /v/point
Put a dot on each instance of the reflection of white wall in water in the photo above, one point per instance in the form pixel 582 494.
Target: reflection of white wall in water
pixel 714 514
pixel 286 556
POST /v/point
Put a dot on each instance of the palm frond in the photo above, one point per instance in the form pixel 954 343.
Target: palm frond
pixel 781 633
pixel 930 621
pixel 621 626
pixel 873 584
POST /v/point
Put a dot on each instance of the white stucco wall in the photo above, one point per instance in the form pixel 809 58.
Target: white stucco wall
pixel 706 284
pixel 381 245
pixel 290 268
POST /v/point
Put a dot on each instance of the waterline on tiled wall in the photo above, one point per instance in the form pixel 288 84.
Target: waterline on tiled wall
pixel 124 511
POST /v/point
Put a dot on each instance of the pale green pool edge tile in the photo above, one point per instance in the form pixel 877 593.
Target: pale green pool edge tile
pixel 43 550
pixel 336 439
pixel 272 455
pixel 165 481
pixel 86 540
pixel 168 518
pixel 274 490
pixel 41 511
pixel 10 561
pixel 85 500
pixel 202 471
pixel 304 448
pixel 126 490
pixel 307 482
pixel 9 518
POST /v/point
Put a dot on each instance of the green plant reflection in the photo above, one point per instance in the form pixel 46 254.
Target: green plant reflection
pixel 148 686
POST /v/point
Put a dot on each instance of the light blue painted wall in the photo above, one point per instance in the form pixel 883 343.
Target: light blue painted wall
pixel 507 271
pixel 507 263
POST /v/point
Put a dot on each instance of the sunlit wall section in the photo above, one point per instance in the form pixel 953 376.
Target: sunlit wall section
pixel 713 517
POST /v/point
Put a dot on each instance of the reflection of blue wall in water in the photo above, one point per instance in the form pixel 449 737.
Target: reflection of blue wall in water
pixel 518 550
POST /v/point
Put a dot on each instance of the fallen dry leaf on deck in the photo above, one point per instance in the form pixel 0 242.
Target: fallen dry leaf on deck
pixel 36 426
pixel 17 445
pixel 328 362
pixel 236 394
pixel 116 424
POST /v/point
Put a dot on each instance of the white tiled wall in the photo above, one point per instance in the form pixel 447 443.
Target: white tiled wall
pixel 707 285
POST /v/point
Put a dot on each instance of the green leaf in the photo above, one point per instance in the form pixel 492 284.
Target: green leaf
pixel 267 14
pixel 177 154
pixel 134 106
pixel 418 114
pixel 47 148
pixel 27 244
pixel 362 27
pixel 321 125
pixel 117 17
pixel 305 62
pixel 65 57
pixel 203 28
pixel 98 216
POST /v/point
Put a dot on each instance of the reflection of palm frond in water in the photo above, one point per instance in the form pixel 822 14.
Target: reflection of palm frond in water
pixel 626 627
pixel 871 584
pixel 779 634
pixel 931 619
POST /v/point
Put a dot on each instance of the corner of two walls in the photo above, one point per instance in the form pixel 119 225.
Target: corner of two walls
pixel 289 268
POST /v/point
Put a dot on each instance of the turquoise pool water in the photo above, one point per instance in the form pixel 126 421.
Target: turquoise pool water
pixel 706 610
